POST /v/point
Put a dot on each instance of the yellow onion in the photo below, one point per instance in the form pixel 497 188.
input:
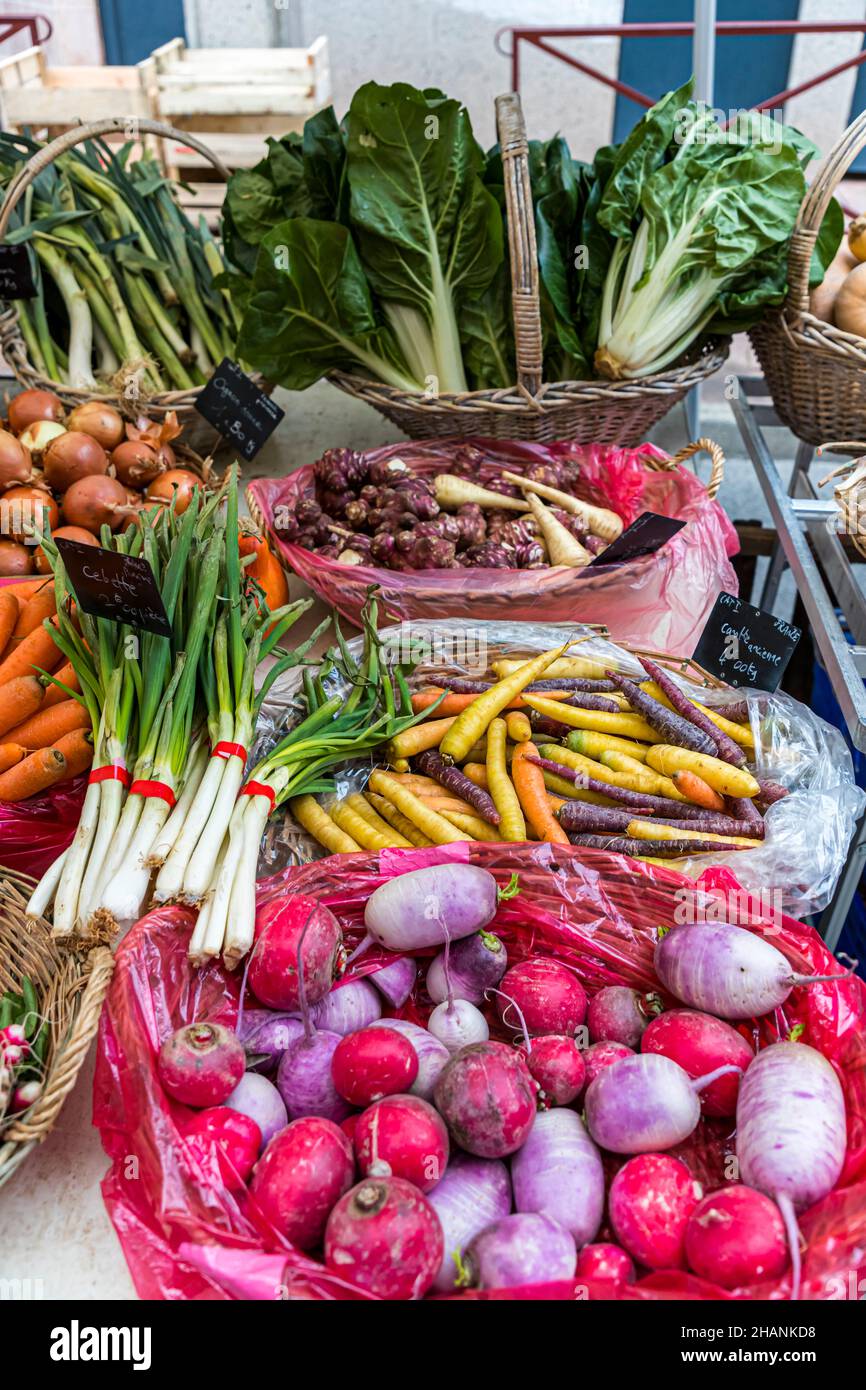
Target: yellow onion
pixel 14 559
pixel 136 462
pixel 94 501
pixel 25 509
pixel 102 422
pixel 176 482
pixel 63 533
pixel 73 456
pixel 39 435
pixel 34 405
pixel 15 462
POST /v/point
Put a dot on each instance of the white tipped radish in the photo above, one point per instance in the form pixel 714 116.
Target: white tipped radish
pixel 430 906
pixel 645 1103
pixel 457 1024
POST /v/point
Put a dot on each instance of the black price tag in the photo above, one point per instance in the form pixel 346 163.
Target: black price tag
pixel 119 587
pixel 644 537
pixel 743 646
pixel 241 412
pixel 16 277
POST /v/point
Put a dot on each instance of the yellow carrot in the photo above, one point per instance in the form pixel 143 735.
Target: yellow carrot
pixel 651 830
pixel 361 830
pixel 518 726
pixel 645 781
pixel 309 814
pixel 360 804
pixel 434 826
pixel 474 826
pixel 721 776
pixel 740 733
pixel 650 781
pixel 574 667
pixel 419 738
pixel 388 811
pixel 599 721
pixel 592 745
pixel 476 772
pixel 561 788
pixel 512 826
pixel 471 724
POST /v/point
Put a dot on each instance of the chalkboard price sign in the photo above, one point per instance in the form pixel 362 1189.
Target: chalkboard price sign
pixel 16 277
pixel 744 646
pixel 243 414
pixel 118 587
pixel 644 537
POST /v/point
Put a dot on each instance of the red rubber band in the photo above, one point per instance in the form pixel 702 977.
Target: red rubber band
pixel 160 789
pixel 110 772
pixel 229 750
pixel 259 789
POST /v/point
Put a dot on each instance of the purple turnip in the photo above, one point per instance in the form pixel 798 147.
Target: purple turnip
pixel 558 1173
pixel 475 964
pixel 473 1194
pixel 259 1098
pixel 522 1249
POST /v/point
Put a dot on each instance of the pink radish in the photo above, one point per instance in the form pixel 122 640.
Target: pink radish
pixel 259 1098
pixel 402 1137
pixel 473 1194
pixel 558 1065
pixel 233 1139
pixel 601 1055
pixel 558 1173
pixel 304 1170
pixel 522 1249
pixel 650 1202
pixel 736 1237
pixel 487 1098
pixel 201 1064
pixel 645 1103
pixel 607 1262
pixel 549 997
pixel 395 982
pixel 619 1014
pixel 373 1063
pixel 385 1237
pixel 699 1043
pixel 285 928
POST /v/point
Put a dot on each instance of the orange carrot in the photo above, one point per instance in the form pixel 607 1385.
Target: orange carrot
pixel 42 769
pixel 77 749
pixel 26 588
pixel 697 790
pixel 528 782
pixel 39 650
pixel 34 611
pixel 8 616
pixel 10 754
pixel 53 693
pixel 43 729
pixel 19 699
pixel 455 704
pixel 476 772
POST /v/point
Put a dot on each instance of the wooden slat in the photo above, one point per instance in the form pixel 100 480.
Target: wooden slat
pixel 22 68
pixel 62 107
pixel 233 100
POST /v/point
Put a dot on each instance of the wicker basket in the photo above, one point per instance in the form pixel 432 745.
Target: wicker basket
pixel 815 372
pixel 198 434
pixel 70 985
pixel 589 412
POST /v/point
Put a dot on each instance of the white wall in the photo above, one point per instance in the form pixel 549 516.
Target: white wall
pixel 77 36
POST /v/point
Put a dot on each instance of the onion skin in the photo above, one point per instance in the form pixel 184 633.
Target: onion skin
pixel 102 422
pixel 34 405
pixel 71 457
pixel 96 501
pixel 39 435
pixel 136 463
pixel 179 482
pixel 63 533
pixel 37 498
pixel 15 560
pixel 15 463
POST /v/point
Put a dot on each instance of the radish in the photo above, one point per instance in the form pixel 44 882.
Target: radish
pixel 201 1064
pixel 473 1194
pixel 429 906
pixel 606 1262
pixel 474 965
pixel 558 1065
pixel 727 970
pixel 457 1024
pixel 432 1054
pixel 385 1237
pixel 522 1249
pixel 304 1170
pixel 305 1080
pixel 619 1014
pixel 645 1103
pixel 650 1202
pixel 549 997
pixel 791 1132
pixel 285 928
pixel 259 1098
pixel 699 1043
pixel 396 980
pixel 234 1139
pixel 487 1098
pixel 601 1055
pixel 559 1173
pixel 373 1063
pixel 402 1137
pixel 351 1006
pixel 266 1036
pixel 735 1237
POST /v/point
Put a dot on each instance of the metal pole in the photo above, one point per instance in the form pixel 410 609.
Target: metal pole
pixel 704 50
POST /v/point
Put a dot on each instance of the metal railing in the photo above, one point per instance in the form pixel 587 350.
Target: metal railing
pixel 39 25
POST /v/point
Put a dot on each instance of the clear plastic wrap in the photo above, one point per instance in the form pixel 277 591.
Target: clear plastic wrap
pixel 796 868
pixel 185 1237
pixel 661 601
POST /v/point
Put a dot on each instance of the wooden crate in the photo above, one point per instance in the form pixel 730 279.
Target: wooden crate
pixel 46 100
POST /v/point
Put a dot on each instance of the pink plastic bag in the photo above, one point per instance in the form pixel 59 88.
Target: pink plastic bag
pixel 35 831
pixel 661 601
pixel 185 1236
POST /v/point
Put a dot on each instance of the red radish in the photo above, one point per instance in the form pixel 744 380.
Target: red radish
pixel 488 1099
pixel 201 1064
pixel 273 973
pixel 305 1169
pixel 33 405
pixel 71 457
pixel 619 1014
pixel 402 1137
pixel 235 1138
pixel 602 1055
pixel 432 1054
pixel 348 1126
pixel 700 1043
pixel 373 1063
pixel 385 1237
pixel 606 1262
pixel 650 1202
pixel 549 997
pixel 558 1065
pixel 736 1236
pixel 26 1095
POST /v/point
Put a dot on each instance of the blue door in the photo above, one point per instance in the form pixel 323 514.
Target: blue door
pixel 131 32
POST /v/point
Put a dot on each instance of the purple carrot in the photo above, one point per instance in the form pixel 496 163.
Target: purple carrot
pixel 770 791
pixel 738 710
pixel 547 727
pixel 664 804
pixel 584 701
pixel 671 726
pixel 743 808
pixel 724 747
pixel 581 816
pixel 656 849
pixel 459 685
pixel 714 823
pixel 431 764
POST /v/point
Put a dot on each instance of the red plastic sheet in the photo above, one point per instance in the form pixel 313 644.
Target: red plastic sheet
pixel 185 1237
pixel 661 601
pixel 35 831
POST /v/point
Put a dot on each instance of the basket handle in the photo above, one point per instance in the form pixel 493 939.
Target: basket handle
pixel 520 222
pixel 816 202
pixel 701 446
pixel 110 125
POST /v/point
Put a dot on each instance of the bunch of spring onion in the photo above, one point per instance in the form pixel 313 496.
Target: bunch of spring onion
pixel 124 281
pixel 149 698
pixel 336 728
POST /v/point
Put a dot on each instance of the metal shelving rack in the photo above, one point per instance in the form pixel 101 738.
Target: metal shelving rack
pixel 797 513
